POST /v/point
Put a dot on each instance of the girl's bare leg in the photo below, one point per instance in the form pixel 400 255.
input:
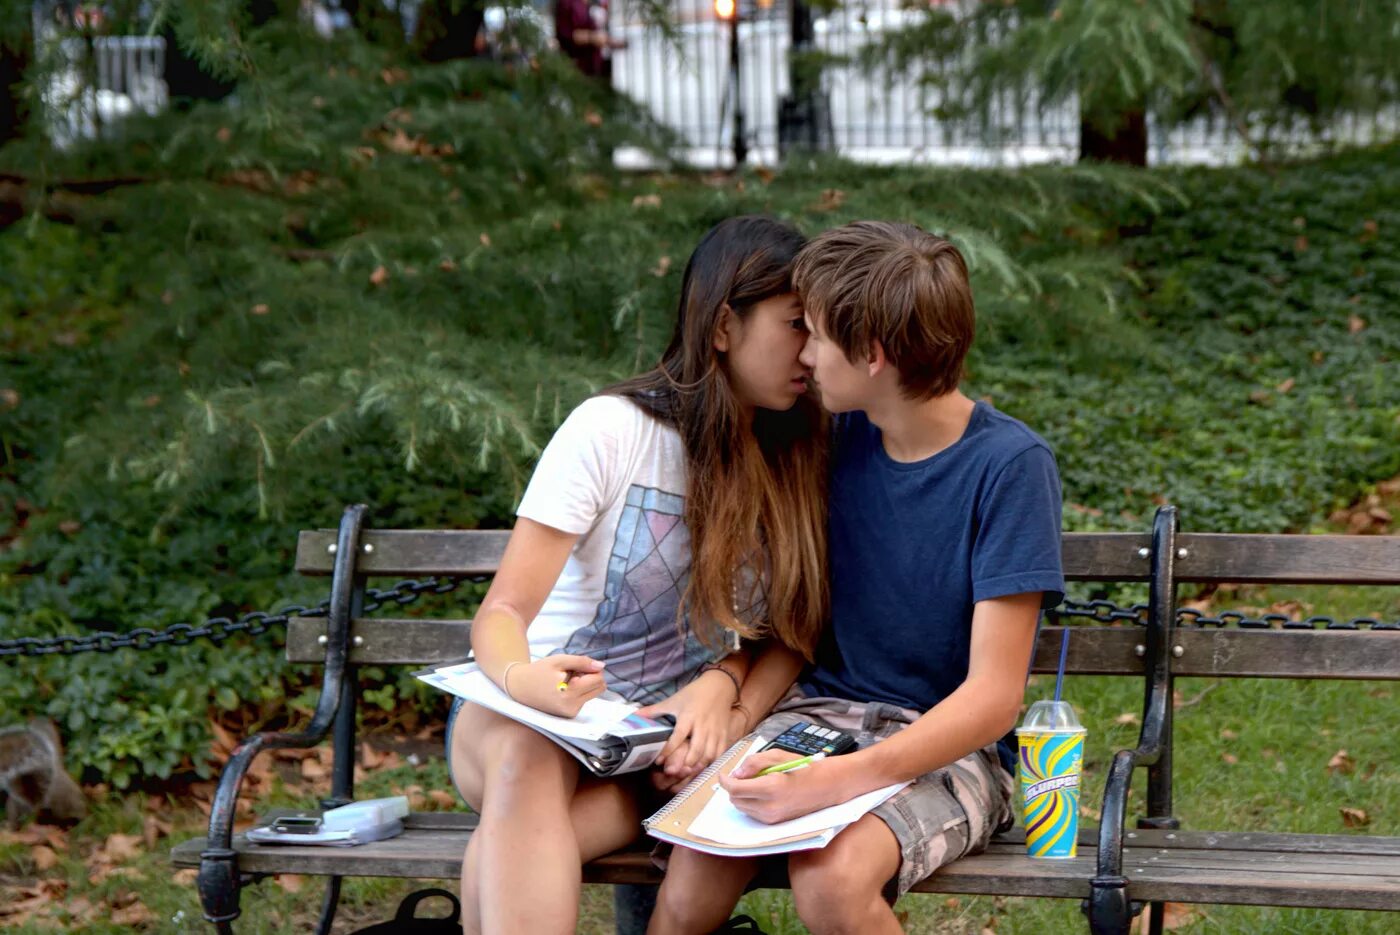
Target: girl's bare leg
pixel 699 892
pixel 539 824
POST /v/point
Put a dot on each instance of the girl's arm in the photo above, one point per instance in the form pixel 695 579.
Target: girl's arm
pixel 771 676
pixel 530 567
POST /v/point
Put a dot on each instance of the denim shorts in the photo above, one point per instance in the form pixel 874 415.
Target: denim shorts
pixel 447 743
pixel 943 815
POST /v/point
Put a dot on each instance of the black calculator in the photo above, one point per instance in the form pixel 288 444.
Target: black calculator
pixel 807 739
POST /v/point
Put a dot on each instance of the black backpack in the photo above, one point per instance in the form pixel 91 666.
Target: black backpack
pixel 405 922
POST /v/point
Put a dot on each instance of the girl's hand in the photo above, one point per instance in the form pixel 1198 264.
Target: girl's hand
pixel 703 723
pixel 537 684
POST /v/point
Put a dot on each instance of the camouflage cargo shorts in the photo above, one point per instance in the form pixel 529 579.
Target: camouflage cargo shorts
pixel 943 815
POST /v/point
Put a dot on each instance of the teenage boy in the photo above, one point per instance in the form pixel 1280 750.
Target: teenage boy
pixel 945 546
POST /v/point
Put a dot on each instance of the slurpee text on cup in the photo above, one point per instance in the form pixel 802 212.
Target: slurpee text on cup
pixel 1051 742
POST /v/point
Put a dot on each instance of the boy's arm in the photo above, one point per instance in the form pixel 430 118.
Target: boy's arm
pixel 982 709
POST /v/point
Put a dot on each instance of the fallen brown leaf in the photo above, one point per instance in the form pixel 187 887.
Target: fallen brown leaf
pixel 831 199
pixel 1177 915
pixel 1283 387
pixel 1354 817
pixel 662 267
pixel 1355 324
pixel 370 757
pixel 291 882
pixel 119 847
pixel 442 798
pixel 1341 762
pixel 379 276
pixel 133 915
pixel 43 856
pixel 646 201
pixel 1229 758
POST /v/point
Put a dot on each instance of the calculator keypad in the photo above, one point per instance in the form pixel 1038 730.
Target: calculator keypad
pixel 807 739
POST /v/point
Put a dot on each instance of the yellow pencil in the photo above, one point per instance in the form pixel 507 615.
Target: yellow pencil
pixel 790 764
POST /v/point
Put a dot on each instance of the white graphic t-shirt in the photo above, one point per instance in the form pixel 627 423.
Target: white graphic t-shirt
pixel 616 477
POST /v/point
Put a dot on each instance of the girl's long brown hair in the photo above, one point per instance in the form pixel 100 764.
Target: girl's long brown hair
pixel 757 494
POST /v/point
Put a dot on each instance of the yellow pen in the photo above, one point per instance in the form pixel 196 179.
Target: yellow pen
pixel 790 764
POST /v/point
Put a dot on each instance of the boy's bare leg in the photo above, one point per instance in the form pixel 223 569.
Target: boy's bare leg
pixel 838 889
pixel 539 824
pixel 699 892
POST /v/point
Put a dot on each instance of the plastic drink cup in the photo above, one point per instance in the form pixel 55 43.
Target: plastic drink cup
pixel 1051 742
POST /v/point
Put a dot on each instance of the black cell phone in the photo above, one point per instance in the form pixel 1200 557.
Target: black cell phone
pixel 297 824
pixel 807 739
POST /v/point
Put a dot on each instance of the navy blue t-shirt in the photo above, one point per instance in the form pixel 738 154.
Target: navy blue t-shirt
pixel 914 546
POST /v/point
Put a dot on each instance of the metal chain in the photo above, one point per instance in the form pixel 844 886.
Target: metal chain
pixel 258 622
pixel 219 629
pixel 1108 612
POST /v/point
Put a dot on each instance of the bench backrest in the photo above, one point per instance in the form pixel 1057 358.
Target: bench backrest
pixel 1098 649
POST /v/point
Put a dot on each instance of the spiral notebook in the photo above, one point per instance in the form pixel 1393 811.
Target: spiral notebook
pixel 702 818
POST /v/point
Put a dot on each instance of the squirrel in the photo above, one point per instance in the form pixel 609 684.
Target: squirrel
pixel 32 775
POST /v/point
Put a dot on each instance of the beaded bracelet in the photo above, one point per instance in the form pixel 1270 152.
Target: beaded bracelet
pixel 732 677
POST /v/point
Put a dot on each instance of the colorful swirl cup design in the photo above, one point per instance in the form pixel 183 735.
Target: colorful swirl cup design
pixel 1049 766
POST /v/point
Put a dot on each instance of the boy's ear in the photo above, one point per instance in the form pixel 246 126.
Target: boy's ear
pixel 726 321
pixel 876 361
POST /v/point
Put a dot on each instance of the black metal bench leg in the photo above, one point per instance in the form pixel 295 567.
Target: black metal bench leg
pixel 328 906
pixel 632 905
pixel 1109 909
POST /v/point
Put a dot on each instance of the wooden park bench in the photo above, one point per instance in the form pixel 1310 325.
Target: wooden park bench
pixel 1121 866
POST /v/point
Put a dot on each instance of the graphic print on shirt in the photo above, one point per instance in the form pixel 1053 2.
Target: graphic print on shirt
pixel 635 628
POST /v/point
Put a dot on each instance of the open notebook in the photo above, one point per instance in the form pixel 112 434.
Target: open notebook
pixel 701 816
pixel 607 737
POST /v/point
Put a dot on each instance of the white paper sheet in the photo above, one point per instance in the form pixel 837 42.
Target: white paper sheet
pixel 598 716
pixel 721 822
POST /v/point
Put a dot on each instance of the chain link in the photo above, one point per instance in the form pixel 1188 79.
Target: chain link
pixel 1109 612
pixel 219 629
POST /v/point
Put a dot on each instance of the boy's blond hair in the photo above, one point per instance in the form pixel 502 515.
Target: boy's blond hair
pixel 898 284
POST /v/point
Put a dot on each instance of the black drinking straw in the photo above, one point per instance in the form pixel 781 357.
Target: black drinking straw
pixel 1060 672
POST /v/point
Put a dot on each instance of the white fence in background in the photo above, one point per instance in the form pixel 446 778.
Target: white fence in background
pixel 876 117
pixel 123 77
pixel 879 116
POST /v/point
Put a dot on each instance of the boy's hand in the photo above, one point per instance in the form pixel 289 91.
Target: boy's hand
pixel 537 684
pixel 782 796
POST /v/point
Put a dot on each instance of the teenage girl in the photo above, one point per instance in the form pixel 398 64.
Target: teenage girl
pixel 670 516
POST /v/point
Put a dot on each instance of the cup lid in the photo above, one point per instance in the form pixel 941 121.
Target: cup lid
pixel 1051 716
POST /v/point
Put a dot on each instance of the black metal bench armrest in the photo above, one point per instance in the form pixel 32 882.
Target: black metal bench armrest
pixel 218 880
pixel 1110 910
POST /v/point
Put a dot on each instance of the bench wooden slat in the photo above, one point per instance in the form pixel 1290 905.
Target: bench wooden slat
pixel 1093 650
pixel 1087 556
pixel 409 552
pixel 1296 559
pixel 1264 886
pixel 1324 871
pixel 437 854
